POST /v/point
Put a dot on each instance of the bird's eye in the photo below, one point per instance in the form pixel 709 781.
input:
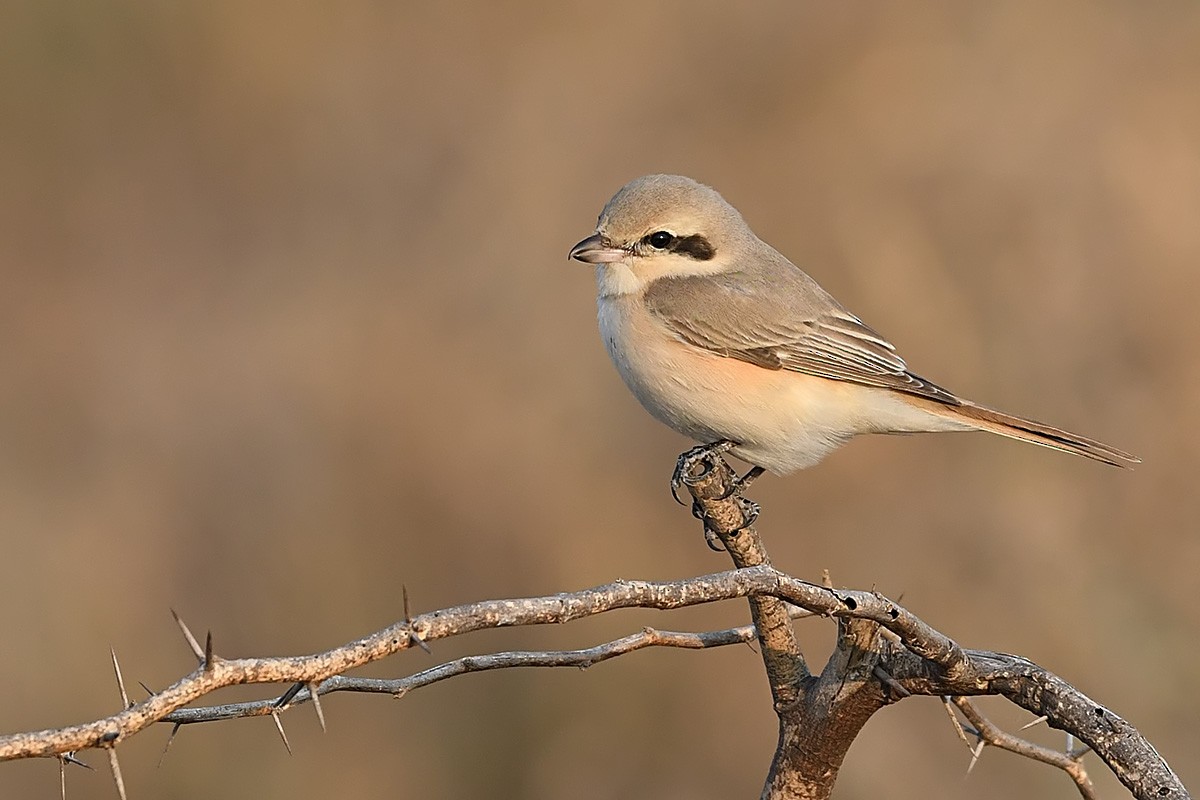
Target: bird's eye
pixel 660 240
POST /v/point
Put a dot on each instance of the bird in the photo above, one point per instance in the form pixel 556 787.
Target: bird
pixel 725 340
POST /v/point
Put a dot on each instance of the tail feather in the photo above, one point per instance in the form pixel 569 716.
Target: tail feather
pixel 1027 430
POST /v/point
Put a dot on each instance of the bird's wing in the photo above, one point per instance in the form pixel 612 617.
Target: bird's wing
pixel 785 323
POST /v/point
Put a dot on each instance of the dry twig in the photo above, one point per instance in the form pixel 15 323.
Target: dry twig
pixel 884 654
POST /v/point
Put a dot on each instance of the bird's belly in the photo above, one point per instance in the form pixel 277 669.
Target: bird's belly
pixel 782 420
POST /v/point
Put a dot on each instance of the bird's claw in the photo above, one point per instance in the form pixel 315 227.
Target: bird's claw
pixel 687 473
pixel 750 512
pixel 713 540
pixel 690 459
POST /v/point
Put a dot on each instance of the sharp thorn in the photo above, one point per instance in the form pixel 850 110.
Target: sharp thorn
pixel 1037 721
pixel 120 681
pixel 174 730
pixel 316 698
pixel 412 635
pixel 187 634
pixel 279 727
pixel 149 691
pixel 289 695
pixel 62 778
pixel 975 755
pixel 209 659
pixel 958 728
pixel 70 758
pixel 115 766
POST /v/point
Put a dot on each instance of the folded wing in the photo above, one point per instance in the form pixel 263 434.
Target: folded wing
pixel 794 327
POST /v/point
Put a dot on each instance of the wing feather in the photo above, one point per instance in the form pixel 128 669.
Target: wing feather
pixel 796 326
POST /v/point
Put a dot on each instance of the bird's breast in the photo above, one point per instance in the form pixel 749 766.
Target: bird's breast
pixel 783 420
pixel 700 394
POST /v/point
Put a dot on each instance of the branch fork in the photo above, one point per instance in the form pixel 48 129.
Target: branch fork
pixel 884 653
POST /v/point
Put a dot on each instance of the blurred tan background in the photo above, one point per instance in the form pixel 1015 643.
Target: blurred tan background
pixel 287 322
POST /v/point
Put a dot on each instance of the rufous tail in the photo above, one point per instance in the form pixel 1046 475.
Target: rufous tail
pixel 1027 430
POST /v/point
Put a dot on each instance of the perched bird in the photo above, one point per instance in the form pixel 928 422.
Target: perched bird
pixel 726 341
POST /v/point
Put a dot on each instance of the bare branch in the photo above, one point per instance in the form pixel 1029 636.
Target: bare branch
pixel 988 733
pixel 724 513
pixel 441 624
pixel 399 687
pixel 932 665
pixel 884 653
pixel 867 670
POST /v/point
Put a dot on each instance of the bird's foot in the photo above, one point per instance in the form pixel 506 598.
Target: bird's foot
pixel 750 511
pixel 699 456
pixel 698 462
pixel 712 537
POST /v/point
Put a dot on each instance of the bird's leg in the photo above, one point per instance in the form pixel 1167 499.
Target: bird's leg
pixel 693 458
pixel 702 456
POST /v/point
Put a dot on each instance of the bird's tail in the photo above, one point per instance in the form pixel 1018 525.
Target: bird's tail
pixel 1027 430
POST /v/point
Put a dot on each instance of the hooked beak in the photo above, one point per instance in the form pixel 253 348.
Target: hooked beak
pixel 595 250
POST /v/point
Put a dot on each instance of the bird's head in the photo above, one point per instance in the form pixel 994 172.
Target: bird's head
pixel 661 226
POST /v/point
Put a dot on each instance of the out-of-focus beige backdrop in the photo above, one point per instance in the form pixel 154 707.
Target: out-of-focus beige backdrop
pixel 286 322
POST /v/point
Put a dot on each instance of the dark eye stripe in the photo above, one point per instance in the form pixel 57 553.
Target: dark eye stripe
pixel 694 246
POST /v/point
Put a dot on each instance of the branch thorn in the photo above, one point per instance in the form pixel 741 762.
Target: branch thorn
pixel 209 658
pixel 115 766
pixel 279 727
pixel 174 730
pixel 64 759
pixel 191 640
pixel 289 695
pixel 70 758
pixel 958 728
pixel 316 698
pixel 975 751
pixel 413 636
pixel 120 681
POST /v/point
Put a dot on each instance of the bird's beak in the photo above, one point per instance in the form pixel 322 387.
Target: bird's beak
pixel 595 250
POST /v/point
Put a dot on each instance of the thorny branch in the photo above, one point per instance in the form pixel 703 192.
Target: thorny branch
pixel 986 733
pixel 884 653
